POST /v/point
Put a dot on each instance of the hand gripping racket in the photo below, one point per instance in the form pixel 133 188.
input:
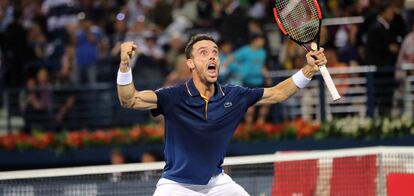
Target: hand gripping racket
pixel 301 21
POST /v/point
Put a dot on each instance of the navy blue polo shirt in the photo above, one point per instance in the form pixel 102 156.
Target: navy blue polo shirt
pixel 197 133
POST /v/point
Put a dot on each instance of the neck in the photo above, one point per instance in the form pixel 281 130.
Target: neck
pixel 204 88
pixel 254 47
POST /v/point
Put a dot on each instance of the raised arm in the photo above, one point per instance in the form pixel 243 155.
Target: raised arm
pixel 288 87
pixel 128 96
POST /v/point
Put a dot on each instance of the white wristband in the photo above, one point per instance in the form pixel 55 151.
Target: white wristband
pixel 124 78
pixel 300 80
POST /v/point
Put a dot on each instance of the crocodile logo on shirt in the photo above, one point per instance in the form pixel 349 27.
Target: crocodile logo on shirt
pixel 227 104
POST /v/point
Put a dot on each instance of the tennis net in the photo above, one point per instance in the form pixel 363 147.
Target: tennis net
pixel 360 171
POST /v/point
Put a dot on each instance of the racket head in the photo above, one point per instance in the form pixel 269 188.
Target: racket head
pixel 301 20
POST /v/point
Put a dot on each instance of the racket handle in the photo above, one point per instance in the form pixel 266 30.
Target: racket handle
pixel 329 82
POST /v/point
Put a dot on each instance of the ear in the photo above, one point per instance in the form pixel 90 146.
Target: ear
pixel 190 64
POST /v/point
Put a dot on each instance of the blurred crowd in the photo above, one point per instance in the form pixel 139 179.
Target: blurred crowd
pixel 75 40
pixel 49 43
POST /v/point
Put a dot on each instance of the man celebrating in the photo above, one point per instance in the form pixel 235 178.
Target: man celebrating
pixel 201 116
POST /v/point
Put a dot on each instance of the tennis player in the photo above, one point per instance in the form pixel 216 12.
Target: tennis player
pixel 201 116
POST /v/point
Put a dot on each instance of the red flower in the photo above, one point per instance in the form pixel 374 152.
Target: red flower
pixel 42 140
pixel 8 142
pixel 153 131
pixel 101 136
pixel 241 132
pixel 117 136
pixel 277 128
pixel 135 133
pixel 75 138
pixel 306 130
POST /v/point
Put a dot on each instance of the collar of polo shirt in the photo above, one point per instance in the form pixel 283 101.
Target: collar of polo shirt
pixel 193 92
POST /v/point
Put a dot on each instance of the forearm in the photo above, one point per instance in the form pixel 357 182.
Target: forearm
pixel 126 92
pixel 288 87
pixel 284 90
pixel 126 95
pixel 299 80
pixel 67 105
pixel 309 71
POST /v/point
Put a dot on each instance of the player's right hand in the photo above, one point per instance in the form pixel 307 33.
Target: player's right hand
pixel 127 52
pixel 316 59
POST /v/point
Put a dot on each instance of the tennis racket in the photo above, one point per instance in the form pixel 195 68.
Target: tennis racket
pixel 301 21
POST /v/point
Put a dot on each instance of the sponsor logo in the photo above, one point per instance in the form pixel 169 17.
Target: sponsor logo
pixel 227 104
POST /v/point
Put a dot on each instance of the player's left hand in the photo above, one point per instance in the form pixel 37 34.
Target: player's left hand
pixel 128 50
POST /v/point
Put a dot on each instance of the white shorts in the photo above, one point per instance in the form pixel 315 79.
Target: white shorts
pixel 218 185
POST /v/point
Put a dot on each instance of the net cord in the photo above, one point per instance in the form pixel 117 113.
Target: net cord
pixel 229 161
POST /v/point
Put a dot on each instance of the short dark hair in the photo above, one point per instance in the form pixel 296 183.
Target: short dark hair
pixel 194 39
pixel 255 36
pixel 384 5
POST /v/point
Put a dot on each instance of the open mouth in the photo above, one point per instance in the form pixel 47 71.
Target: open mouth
pixel 211 70
pixel 211 67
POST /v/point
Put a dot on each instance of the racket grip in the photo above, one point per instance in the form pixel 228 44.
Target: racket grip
pixel 329 82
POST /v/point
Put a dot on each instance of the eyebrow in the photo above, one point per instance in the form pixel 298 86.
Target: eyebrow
pixel 204 47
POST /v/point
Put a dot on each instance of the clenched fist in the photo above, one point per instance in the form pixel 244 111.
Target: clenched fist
pixel 127 51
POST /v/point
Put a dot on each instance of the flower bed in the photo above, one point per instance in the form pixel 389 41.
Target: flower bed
pixel 351 128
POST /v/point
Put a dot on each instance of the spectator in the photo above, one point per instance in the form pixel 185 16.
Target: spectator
pixel 381 50
pixel 254 27
pixel 228 73
pixel 175 48
pixel 117 158
pixel 398 26
pixel 38 44
pixel 137 33
pixel 33 14
pixel 160 15
pixel 45 98
pixel 68 70
pixel 348 50
pixel 152 49
pixel 290 55
pixel 16 54
pixel 30 104
pixel 6 14
pixel 406 54
pixel 136 9
pixel 36 107
pixel 149 157
pixel 60 13
pixel 88 40
pixel 67 101
pixel 180 73
pixel 251 66
pixel 258 9
pixel 233 23
pixel 153 61
pixel 405 60
pixel 206 13
pixel 118 36
pixel 185 9
pixel 64 96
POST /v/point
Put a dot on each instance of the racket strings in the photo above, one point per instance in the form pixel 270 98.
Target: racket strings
pixel 299 18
